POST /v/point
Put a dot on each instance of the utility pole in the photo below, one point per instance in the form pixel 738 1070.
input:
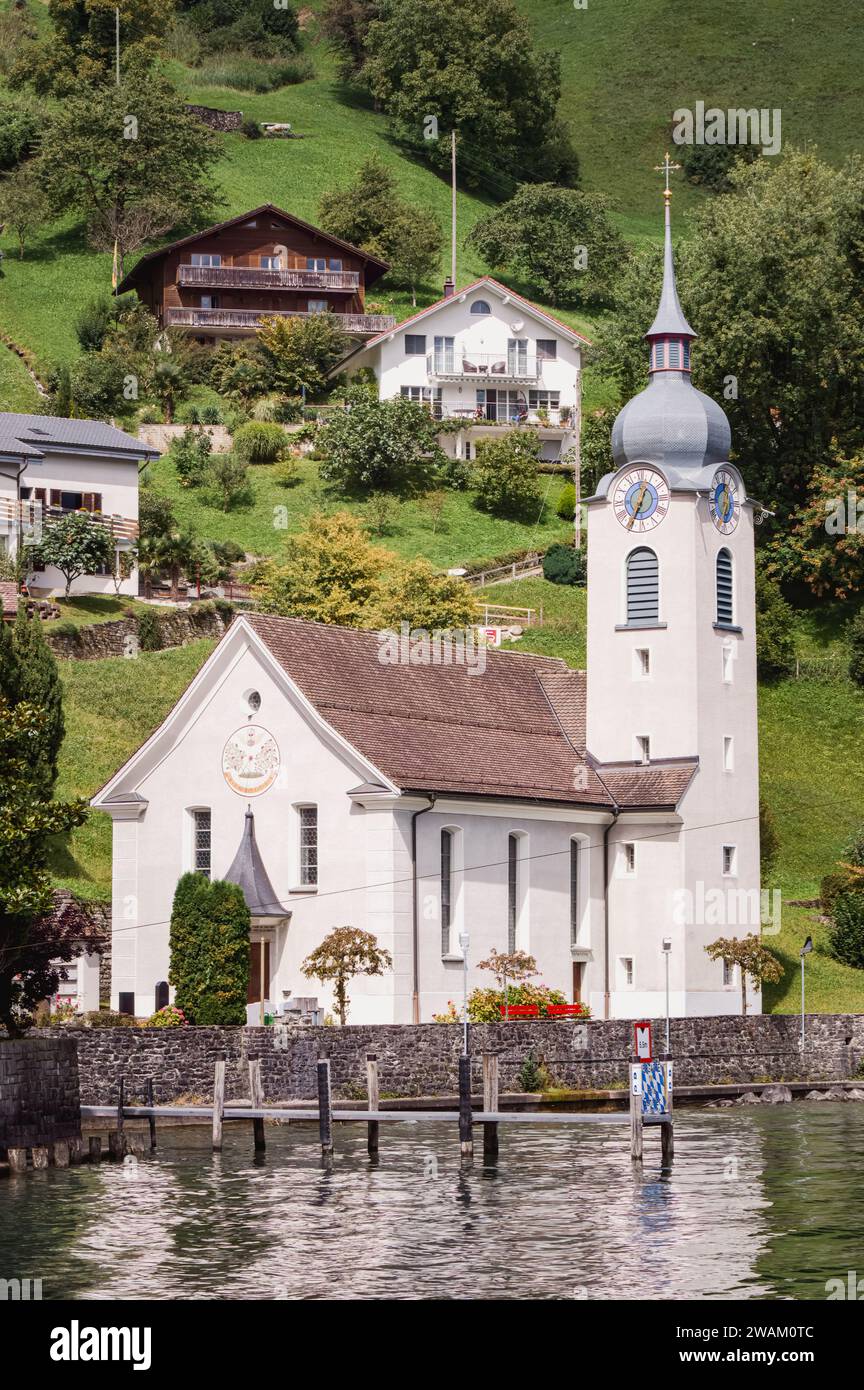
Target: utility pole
pixel 577 467
pixel 453 207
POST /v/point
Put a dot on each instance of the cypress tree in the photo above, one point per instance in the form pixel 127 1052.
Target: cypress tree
pixel 38 682
pixel 209 943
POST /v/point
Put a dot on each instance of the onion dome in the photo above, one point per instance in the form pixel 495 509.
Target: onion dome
pixel 670 422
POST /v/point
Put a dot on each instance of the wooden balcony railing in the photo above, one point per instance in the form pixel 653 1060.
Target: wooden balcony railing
pixel 361 324
pixel 251 278
pixel 123 527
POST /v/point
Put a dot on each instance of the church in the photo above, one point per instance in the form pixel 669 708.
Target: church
pixel 584 819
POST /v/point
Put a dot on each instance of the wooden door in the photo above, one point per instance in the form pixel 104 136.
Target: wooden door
pixel 253 995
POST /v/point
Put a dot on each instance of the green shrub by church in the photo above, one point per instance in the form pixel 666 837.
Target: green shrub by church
pixel 209 944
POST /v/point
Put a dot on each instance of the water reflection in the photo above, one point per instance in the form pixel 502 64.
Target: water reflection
pixel 759 1203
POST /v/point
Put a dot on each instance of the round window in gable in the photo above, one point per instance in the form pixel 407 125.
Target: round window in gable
pixel 252 701
pixel 480 307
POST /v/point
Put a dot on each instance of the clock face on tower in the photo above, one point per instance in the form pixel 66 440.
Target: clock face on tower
pixel 724 502
pixel 641 499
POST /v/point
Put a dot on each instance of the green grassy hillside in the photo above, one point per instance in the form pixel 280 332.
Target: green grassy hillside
pixel 625 69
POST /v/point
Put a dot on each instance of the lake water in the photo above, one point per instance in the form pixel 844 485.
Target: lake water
pixel 760 1203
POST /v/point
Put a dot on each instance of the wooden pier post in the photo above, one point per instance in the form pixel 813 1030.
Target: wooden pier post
pixel 256 1091
pixel 325 1106
pixel 636 1130
pixel 374 1100
pixel 490 1101
pixel 117 1145
pixel 466 1142
pixel 18 1160
pixel 61 1153
pixel 76 1151
pixel 151 1120
pixel 121 1099
pixel 94 1148
pixel 218 1103
pixel 42 1155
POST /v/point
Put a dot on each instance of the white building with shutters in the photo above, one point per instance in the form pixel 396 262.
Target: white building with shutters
pixel 51 467
pixel 606 824
pixel 486 358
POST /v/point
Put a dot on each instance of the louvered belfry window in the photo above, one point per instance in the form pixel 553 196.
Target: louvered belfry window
pixel 725 607
pixel 643 600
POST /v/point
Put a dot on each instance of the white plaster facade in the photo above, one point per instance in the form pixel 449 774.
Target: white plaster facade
pixel 485 356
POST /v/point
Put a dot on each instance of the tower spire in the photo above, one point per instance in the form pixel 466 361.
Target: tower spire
pixel 669 321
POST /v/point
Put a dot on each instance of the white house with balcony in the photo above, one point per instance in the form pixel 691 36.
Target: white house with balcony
pixel 51 467
pixel 487 358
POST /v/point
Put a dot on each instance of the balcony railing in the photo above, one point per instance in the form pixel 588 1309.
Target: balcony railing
pixel 547 417
pixel 361 324
pixel 29 520
pixel 494 366
pixel 250 278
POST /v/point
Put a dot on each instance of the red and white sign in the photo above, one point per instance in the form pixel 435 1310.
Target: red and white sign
pixel 642 1041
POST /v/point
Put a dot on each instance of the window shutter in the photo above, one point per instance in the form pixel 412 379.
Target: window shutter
pixel 724 588
pixel 643 602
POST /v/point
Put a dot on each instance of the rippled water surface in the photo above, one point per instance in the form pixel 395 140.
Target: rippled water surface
pixel 760 1203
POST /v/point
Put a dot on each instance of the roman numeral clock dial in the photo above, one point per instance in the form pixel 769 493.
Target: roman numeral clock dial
pixel 641 499
pixel 724 503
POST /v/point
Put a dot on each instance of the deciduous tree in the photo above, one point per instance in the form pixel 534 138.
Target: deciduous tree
pixel 345 953
pixel 754 960
pixel 381 446
pixel 76 545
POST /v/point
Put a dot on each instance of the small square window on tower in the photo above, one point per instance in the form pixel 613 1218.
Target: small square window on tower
pixel 728 974
pixel 642 663
pixel 625 964
pixel 643 748
pixel 730 855
pixel 628 857
pixel 728 753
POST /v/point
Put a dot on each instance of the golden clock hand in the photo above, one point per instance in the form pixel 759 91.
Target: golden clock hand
pixel 637 507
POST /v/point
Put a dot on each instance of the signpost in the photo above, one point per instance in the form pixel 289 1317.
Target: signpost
pixel 650 1093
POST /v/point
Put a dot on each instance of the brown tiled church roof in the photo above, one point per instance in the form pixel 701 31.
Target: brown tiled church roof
pixel 516 731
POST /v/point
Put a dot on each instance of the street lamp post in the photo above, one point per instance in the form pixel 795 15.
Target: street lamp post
pixel 805 951
pixel 463 943
pixel 667 951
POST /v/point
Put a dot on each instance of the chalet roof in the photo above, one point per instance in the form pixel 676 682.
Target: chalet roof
pixel 248 872
pixel 381 267
pixel 30 436
pixel 515 731
pixel 485 282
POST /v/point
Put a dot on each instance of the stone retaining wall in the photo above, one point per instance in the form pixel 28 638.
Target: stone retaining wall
pixel 39 1098
pixel 99 640
pixel 422 1059
pixel 215 119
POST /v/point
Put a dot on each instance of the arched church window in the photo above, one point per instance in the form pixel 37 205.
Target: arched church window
pixel 643 586
pixel 480 307
pixel 725 606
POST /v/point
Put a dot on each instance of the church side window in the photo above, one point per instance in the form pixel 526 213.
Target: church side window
pixel 574 892
pixel 512 889
pixel 446 889
pixel 201 842
pixel 308 846
pixel 643 587
pixel 725 606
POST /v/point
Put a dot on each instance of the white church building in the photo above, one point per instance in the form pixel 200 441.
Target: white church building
pixel 607 824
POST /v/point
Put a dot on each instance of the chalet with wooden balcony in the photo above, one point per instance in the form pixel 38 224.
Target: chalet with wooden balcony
pixel 221 282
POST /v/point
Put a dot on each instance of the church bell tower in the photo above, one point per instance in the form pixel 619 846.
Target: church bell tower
pixel 671 633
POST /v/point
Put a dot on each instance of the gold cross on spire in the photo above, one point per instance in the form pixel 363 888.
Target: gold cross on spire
pixel 666 168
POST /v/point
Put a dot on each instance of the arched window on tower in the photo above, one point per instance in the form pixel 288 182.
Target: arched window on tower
pixel 725 604
pixel 643 587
